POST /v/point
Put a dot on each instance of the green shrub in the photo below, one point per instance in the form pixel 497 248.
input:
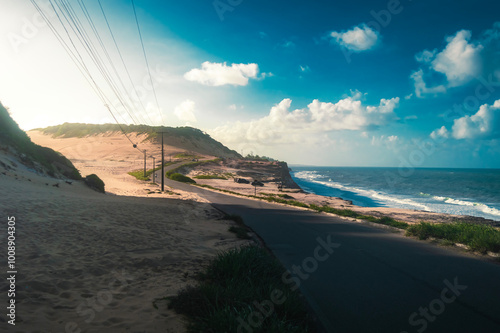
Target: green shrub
pixel 181 178
pixel 95 183
pixel 229 288
pixel 478 237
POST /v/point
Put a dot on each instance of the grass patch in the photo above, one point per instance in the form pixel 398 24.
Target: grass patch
pixel 210 177
pixel 240 229
pixel 350 213
pixel 139 174
pixel 186 156
pixel 478 237
pixel 178 177
pixel 229 288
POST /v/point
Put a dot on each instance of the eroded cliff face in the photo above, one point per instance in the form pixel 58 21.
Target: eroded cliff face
pixel 288 181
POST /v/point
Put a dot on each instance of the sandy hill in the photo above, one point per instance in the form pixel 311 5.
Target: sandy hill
pixel 184 138
pixel 17 148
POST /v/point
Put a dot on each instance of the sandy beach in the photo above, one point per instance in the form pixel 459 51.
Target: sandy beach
pixel 98 262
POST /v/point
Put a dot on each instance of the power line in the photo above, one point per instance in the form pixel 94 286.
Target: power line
pixel 123 61
pixel 77 58
pixel 147 63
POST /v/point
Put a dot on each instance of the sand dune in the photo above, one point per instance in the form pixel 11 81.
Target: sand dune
pixel 97 263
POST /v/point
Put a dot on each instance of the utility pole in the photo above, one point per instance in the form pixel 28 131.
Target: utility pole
pixel 154 167
pixel 144 163
pixel 162 165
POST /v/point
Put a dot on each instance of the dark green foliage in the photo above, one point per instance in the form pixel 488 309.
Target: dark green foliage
pixel 181 178
pixel 231 284
pixel 95 183
pixel 210 177
pixel 53 162
pixel 240 229
pixel 478 237
pixel 139 174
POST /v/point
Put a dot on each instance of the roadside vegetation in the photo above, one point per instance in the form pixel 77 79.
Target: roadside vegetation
pixel 179 177
pixel 139 174
pixel 239 285
pixel 477 237
pixel 210 177
pixel 240 229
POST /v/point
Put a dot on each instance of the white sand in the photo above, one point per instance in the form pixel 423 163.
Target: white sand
pixel 97 262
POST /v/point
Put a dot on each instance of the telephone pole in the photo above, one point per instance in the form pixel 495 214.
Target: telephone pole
pixel 162 165
pixel 144 163
pixel 154 167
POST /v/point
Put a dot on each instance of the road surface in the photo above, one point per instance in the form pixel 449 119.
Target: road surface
pixel 360 278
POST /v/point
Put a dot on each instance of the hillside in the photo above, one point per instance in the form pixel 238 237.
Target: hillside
pixel 185 138
pixel 15 142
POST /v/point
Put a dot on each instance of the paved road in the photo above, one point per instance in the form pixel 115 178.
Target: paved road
pixel 358 278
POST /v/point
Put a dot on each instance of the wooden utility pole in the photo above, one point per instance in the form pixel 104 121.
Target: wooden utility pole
pixel 154 167
pixel 162 165
pixel 144 163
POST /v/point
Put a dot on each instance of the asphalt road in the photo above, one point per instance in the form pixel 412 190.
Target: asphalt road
pixel 360 278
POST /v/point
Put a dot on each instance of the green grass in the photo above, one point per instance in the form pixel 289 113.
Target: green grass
pixel 186 156
pixel 139 174
pixel 350 213
pixel 210 177
pixel 240 228
pixel 181 178
pixel 228 289
pixel 478 237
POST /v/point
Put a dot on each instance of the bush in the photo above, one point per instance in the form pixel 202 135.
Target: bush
pixel 229 288
pixel 181 178
pixel 95 183
pixel 478 237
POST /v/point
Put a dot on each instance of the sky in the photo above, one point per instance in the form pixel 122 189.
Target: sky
pixel 409 83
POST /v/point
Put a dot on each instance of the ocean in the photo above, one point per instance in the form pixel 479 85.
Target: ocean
pixel 474 192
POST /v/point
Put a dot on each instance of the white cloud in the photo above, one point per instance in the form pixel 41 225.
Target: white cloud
pixel 485 124
pixel 219 74
pixel 185 111
pixel 421 88
pixel 283 125
pixel 460 61
pixel 359 38
pixel 441 132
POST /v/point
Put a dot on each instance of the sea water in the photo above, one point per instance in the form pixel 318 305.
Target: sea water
pixel 474 192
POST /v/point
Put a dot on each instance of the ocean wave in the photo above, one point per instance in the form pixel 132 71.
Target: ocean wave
pixel 482 207
pixel 313 176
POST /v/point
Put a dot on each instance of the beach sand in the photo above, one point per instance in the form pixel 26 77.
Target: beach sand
pixel 103 263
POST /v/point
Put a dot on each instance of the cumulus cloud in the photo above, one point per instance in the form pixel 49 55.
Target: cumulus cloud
pixel 358 39
pixel 283 125
pixel 484 124
pixel 185 111
pixel 421 87
pixel 219 74
pixel 460 61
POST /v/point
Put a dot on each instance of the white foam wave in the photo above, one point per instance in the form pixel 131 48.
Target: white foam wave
pixel 312 176
pixel 482 207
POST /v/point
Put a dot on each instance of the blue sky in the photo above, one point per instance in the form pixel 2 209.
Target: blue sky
pixel 347 83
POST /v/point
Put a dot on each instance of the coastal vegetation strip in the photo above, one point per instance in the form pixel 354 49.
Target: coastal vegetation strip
pixel 478 237
pixel 238 286
pixel 139 174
